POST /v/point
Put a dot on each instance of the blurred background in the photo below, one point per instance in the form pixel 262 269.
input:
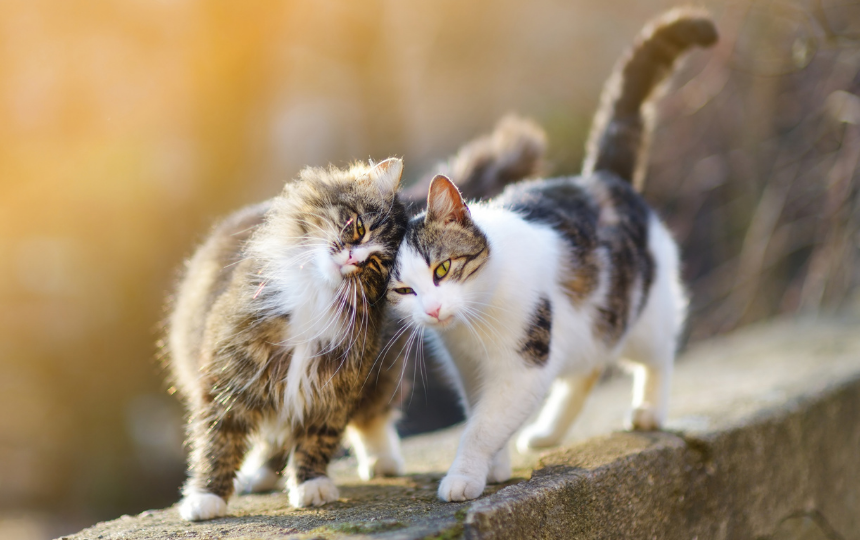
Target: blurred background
pixel 128 126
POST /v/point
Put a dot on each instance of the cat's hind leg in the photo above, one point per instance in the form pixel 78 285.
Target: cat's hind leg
pixel 566 399
pixel 651 349
pixel 652 341
pixel 263 467
pixel 376 445
pixel 650 397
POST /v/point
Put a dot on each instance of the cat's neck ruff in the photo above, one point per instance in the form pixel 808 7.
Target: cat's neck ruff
pixel 315 307
pixel 317 323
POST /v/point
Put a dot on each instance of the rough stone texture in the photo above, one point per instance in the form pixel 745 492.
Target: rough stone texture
pixel 763 442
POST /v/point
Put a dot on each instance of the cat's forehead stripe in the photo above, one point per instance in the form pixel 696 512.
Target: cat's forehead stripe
pixel 437 242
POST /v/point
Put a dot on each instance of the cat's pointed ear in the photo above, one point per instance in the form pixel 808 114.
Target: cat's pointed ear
pixel 386 175
pixel 444 202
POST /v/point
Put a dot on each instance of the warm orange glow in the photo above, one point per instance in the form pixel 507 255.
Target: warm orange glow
pixel 128 126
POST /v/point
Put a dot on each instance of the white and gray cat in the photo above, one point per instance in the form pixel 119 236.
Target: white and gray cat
pixel 553 280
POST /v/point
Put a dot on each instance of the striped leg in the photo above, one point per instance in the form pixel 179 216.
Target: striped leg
pixel 219 440
pixel 307 471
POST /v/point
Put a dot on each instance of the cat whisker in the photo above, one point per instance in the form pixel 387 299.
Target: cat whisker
pixel 477 335
pixel 381 355
pixel 480 317
pixel 403 369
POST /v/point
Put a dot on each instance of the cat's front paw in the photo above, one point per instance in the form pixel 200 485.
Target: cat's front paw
pixel 200 506
pixel 314 492
pixel 381 466
pixel 257 481
pixel 458 487
pixel 644 419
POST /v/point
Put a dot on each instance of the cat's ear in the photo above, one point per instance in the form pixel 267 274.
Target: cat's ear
pixel 386 175
pixel 444 202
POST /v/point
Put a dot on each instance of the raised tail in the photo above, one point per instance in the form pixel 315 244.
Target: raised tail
pixel 622 126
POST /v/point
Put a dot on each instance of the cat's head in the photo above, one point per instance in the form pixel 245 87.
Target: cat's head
pixel 340 227
pixel 437 278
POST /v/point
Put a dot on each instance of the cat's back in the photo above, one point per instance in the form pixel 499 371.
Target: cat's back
pixel 605 224
pixel 585 210
pixel 564 204
pixel 207 275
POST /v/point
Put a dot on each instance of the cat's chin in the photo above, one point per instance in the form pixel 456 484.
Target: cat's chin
pixel 348 270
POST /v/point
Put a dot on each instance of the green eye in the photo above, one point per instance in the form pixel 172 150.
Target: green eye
pixel 442 270
pixel 404 290
pixel 359 228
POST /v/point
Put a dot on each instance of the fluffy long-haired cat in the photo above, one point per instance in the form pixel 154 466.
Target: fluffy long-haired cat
pixel 548 283
pixel 273 335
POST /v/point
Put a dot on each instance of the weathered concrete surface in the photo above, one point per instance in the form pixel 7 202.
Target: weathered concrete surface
pixel 764 443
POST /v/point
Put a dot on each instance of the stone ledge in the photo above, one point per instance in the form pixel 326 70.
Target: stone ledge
pixel 763 442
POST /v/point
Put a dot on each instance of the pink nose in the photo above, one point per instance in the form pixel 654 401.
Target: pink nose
pixel 435 312
pixel 351 259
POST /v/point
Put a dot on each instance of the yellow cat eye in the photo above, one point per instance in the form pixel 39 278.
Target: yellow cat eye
pixel 404 290
pixel 359 228
pixel 442 270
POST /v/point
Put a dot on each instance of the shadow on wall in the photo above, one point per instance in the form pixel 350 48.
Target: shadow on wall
pixel 129 127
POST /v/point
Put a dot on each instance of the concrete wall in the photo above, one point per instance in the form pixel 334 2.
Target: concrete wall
pixel 763 442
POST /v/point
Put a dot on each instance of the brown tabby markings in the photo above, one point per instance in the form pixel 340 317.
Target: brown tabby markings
pixel 464 244
pixel 631 264
pixel 535 347
pixel 582 279
pixel 229 354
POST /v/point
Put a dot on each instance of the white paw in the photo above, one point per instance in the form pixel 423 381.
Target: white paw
pixel 381 466
pixel 644 419
pixel 257 481
pixel 534 438
pixel 314 492
pixel 500 469
pixel 458 487
pixel 199 506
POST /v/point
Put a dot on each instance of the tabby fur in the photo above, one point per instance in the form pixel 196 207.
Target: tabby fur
pixel 274 333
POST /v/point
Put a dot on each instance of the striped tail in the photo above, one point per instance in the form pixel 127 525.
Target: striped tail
pixel 619 136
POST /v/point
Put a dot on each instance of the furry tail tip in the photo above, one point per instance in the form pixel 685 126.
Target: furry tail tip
pixel 618 139
pixel 513 151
